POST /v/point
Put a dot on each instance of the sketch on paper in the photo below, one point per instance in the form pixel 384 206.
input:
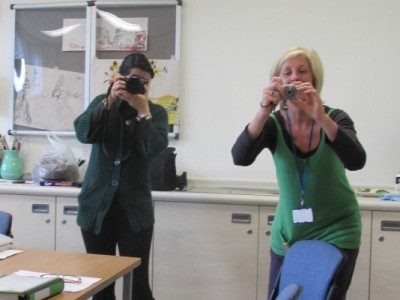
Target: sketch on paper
pixel 128 35
pixel 74 40
pixel 165 86
pixel 50 99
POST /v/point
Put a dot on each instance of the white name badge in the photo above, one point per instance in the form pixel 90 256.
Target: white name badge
pixel 302 215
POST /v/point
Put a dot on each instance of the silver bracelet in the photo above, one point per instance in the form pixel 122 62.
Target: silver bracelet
pixel 271 104
pixel 265 106
pixel 144 117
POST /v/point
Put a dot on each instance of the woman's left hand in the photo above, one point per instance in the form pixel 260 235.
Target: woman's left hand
pixel 140 102
pixel 309 101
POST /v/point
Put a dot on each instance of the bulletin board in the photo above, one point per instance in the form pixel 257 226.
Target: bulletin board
pixel 65 54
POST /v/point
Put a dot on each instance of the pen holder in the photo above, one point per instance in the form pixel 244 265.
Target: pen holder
pixel 11 167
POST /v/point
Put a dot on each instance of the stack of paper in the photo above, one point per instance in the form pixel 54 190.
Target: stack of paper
pixel 5 242
pixel 68 287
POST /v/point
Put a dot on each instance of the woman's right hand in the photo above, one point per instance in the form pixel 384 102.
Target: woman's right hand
pixel 270 98
pixel 117 87
pixel 272 93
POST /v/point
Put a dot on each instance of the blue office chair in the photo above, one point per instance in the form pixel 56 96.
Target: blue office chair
pixel 309 271
pixel 5 223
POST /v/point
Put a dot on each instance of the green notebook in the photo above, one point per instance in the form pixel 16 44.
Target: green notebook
pixel 17 287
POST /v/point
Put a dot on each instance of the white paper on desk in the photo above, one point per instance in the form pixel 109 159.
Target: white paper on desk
pixel 68 287
pixel 7 253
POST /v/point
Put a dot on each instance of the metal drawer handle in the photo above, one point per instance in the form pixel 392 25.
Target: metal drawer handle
pixel 241 218
pixel 270 219
pixel 71 210
pixel 388 225
pixel 40 208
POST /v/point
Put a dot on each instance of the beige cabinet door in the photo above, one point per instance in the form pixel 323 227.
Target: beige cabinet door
pixel 359 288
pixel 33 220
pixel 265 222
pixel 68 233
pixel 205 251
pixel 385 258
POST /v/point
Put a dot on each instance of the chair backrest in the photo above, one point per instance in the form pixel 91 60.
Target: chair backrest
pixel 312 265
pixel 5 223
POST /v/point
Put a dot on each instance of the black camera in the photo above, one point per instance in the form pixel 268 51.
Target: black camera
pixel 135 84
pixel 289 92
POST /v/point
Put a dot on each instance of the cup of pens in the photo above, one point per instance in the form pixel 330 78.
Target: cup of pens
pixel 11 167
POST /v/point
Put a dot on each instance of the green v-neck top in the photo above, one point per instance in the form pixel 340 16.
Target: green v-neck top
pixel 328 193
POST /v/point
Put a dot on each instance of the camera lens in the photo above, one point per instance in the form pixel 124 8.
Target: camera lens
pixel 289 92
pixel 135 84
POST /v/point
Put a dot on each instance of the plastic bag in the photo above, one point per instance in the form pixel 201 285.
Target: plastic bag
pixel 56 164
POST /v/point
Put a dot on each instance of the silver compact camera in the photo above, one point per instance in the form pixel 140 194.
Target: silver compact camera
pixel 289 92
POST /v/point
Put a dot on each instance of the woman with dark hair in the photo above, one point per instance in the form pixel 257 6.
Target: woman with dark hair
pixel 126 131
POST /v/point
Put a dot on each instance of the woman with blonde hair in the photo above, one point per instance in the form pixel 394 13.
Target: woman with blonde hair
pixel 312 146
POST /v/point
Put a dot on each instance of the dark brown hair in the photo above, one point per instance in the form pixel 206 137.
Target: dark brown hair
pixel 136 60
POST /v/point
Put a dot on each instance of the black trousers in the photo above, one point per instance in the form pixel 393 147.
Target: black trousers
pixel 343 277
pixel 116 231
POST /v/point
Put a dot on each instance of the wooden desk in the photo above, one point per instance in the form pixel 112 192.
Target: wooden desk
pixel 108 268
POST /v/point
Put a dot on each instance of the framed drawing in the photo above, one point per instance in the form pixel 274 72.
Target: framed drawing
pixel 64 52
pixel 49 84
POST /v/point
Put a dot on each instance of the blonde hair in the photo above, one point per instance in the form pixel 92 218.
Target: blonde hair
pixel 313 60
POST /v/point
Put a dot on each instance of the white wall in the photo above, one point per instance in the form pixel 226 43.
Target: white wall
pixel 227 52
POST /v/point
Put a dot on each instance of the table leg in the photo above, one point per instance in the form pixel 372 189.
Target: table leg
pixel 127 288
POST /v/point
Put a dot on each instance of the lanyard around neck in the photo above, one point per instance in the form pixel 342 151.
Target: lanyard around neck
pixel 303 175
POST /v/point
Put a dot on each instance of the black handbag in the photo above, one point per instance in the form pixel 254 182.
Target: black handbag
pixel 163 172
